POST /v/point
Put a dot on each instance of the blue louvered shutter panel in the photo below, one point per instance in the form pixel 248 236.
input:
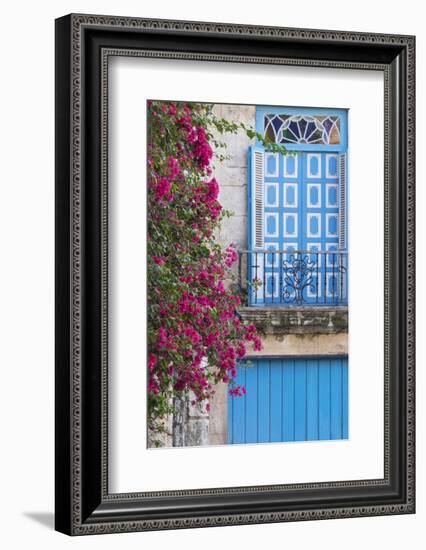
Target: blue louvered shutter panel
pixel 342 201
pixel 257 198
pixel 257 221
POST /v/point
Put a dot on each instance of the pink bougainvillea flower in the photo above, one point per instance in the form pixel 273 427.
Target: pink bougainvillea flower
pixel 152 361
pixel 192 316
pixel 212 189
pixel 231 256
pixel 162 339
pixel 163 188
pixel 158 260
pixel 174 167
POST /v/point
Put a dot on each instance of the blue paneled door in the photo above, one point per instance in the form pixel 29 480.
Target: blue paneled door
pixel 301 213
pixel 290 400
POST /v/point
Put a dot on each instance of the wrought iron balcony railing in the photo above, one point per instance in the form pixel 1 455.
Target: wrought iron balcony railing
pixel 293 277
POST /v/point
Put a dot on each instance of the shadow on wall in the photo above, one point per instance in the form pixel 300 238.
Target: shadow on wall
pixel 47 519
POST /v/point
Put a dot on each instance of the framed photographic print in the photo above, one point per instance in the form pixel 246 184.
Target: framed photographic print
pixel 234 274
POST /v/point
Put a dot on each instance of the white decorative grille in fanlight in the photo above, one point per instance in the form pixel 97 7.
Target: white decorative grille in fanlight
pixel 300 129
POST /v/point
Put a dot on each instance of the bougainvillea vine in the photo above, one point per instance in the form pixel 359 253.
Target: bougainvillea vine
pixel 195 337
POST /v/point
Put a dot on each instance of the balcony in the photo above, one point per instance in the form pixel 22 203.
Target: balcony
pixel 293 278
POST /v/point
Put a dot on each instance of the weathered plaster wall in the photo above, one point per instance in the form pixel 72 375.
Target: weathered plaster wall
pixel 232 175
pixel 232 178
pixel 297 320
pixel 218 428
pixel 285 345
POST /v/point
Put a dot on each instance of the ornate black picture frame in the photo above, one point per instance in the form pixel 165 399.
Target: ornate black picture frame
pixel 84 43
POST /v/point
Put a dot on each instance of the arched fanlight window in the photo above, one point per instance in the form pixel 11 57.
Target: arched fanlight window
pixel 301 129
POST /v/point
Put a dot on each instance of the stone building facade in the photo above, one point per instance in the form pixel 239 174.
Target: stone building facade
pixel 286 332
pixel 297 331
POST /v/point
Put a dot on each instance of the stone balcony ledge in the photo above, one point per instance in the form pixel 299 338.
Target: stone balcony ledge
pixel 297 320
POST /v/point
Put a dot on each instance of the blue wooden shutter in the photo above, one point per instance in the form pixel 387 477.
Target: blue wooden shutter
pixel 342 201
pixel 257 204
pixel 290 399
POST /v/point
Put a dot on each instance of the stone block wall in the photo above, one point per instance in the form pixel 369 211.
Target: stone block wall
pixel 232 175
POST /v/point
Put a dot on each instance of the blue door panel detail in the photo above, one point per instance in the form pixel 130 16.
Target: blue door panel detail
pixel 324 401
pixel 271 164
pixel 332 225
pixel 300 401
pixel 290 165
pixel 313 190
pixel 290 400
pixel 302 213
pixel 263 400
pixel 290 227
pixel 335 401
pixel 270 225
pixel 332 166
pixel 332 196
pixel 314 166
pixel 251 412
pixel 239 417
pixel 312 423
pixel 303 196
pixel 276 404
pixel 271 195
pixel 290 199
pixel 345 405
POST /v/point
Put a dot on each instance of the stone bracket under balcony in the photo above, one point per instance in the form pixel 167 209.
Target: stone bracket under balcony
pixel 297 320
